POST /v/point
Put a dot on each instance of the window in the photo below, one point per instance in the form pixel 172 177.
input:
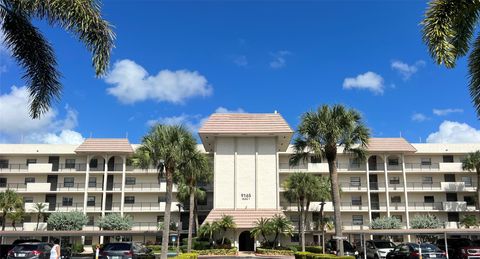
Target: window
pixel 91 201
pixel 393 161
pixel 3 163
pixel 129 199
pixel 449 178
pixel 202 202
pixel 31 161
pixel 28 199
pixel 395 180
pixel 3 182
pixel 88 240
pixel 27 218
pixel 70 163
pixel 29 180
pixel 92 182
pixel 399 217
pixel 448 159
pixel 427 180
pixel 68 182
pixel 426 161
pixel 355 162
pixel 357 220
pixel 467 180
pixel 91 220
pixel 94 163
pixel 453 217
pixel 295 238
pixel 160 218
pixel 294 218
pixel 395 199
pixel 452 196
pixel 162 198
pixel 355 181
pixel 428 199
pixel 130 181
pixel 315 159
pixel 356 200
pixel 470 200
pixel 67 201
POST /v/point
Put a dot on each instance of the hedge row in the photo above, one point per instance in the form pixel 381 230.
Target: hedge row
pixel 311 249
pixel 266 251
pixel 186 256
pixel 308 255
pixel 232 251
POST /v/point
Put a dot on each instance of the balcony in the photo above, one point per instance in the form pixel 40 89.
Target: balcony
pixel 38 187
pixel 450 167
pixel 420 186
pixel 425 206
pixel 414 167
pixel 30 206
pixel 147 206
pixel 13 168
pixel 287 168
pixel 454 206
pixel 70 187
pixel 452 186
pixel 351 167
pixel 40 168
pixel 28 226
pixel 353 186
pixel 146 187
pixel 79 167
pixel 318 167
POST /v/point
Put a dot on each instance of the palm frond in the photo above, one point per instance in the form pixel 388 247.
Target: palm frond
pixel 474 67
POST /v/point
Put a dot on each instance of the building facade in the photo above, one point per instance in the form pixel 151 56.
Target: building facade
pixel 250 154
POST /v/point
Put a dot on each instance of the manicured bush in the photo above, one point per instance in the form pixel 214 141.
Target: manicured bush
pixel 188 256
pixel 232 251
pixel 311 249
pixel 302 255
pixel 308 255
pixel 266 251
pixel 77 248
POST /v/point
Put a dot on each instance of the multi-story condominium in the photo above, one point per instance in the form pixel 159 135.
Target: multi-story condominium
pixel 250 154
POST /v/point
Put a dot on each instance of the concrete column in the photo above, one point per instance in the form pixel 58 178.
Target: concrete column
pixel 85 193
pixel 104 192
pixel 407 213
pixel 385 164
pixel 122 199
pixel 256 172
pixel 368 193
pixel 277 180
pixel 235 173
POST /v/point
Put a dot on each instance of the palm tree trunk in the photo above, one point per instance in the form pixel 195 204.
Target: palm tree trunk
pixel 195 211
pixel 190 219
pixel 38 221
pixel 322 225
pixel 302 225
pixel 478 188
pixel 168 206
pixel 4 220
pixel 332 167
pixel 13 225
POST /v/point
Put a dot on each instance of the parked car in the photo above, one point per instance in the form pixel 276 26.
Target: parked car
pixel 412 251
pixel 30 250
pixel 348 249
pixel 124 250
pixel 460 248
pixel 378 249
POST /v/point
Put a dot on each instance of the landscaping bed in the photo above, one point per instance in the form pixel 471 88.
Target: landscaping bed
pixel 268 251
pixel 309 255
pixel 231 251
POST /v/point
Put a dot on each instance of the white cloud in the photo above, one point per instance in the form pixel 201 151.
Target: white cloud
pixel 133 84
pixel 454 132
pixel 65 136
pixel 16 124
pixel 443 112
pixel 419 117
pixel 368 81
pixel 192 122
pixel 405 69
pixel 279 60
pixel 241 61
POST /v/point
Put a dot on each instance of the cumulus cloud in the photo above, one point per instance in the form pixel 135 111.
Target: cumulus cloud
pixel 279 59
pixel 16 124
pixel 241 61
pixel 444 112
pixel 419 117
pixel 132 83
pixel 368 81
pixel 406 70
pixel 454 132
pixel 225 110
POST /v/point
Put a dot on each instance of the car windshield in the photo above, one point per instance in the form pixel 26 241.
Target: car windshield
pixel 384 244
pixel 26 247
pixel 426 248
pixel 117 247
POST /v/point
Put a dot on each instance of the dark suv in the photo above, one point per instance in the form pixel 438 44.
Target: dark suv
pixel 124 250
pixel 348 249
pixel 37 250
pixel 460 248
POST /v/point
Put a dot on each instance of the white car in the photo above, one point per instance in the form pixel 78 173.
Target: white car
pixel 378 249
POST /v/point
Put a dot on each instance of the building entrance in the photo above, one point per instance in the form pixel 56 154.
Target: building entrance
pixel 246 242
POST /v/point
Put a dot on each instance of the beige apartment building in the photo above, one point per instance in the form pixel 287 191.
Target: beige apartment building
pixel 250 153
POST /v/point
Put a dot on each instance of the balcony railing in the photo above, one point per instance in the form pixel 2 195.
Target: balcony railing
pixel 421 167
pixel 63 207
pixel 142 187
pixel 13 168
pixel 425 206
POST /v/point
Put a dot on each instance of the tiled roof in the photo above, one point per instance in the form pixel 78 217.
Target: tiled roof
pixel 105 145
pixel 245 123
pixel 389 144
pixel 244 218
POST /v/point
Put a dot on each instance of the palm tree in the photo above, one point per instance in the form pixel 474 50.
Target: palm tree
pixel 39 208
pixel 16 216
pixel 302 188
pixel 320 133
pixel 226 223
pixel 10 201
pixel 448 29
pixel 281 225
pixel 263 227
pixel 208 230
pixel 35 54
pixel 325 194
pixel 470 163
pixel 194 170
pixel 166 148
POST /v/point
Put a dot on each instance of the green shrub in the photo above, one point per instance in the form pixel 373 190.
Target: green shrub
pixel 302 255
pixel 311 249
pixel 77 248
pixel 232 251
pixel 309 255
pixel 266 251
pixel 155 248
pixel 188 256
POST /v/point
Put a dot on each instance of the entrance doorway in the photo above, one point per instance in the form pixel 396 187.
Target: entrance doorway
pixel 246 241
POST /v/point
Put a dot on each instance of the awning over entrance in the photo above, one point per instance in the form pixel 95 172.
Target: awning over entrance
pixel 245 218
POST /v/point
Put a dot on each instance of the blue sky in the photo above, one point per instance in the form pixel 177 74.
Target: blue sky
pixel 180 61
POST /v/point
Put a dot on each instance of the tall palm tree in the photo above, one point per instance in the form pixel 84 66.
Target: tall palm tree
pixel 208 230
pixel 195 169
pixel 280 225
pixel 302 188
pixel 226 223
pixel 39 209
pixel 325 194
pixel 448 29
pixel 165 147
pixel 470 163
pixel 320 133
pixel 35 54
pixel 263 227
pixel 16 216
pixel 10 201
